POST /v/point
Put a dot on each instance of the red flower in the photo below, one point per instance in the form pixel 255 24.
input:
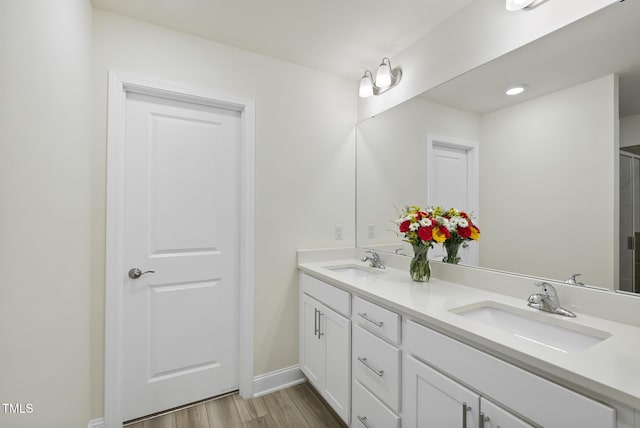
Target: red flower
pixel 424 233
pixel 445 231
pixel 465 232
pixel 404 226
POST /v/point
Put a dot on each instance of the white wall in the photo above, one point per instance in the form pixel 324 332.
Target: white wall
pixel 392 162
pixel 45 59
pixel 565 140
pixel 630 131
pixel 482 31
pixel 304 164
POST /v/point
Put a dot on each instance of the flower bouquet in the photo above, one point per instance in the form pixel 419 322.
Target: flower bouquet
pixel 421 228
pixel 461 230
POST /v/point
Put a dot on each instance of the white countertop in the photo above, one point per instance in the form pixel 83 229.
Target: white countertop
pixel 609 369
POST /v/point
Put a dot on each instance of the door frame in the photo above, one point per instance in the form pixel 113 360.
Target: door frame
pixel 473 177
pixel 119 85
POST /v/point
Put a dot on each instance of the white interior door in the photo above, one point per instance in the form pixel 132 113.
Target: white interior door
pixel 453 183
pixel 181 209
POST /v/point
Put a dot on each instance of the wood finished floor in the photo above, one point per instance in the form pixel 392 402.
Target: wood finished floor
pixel 295 407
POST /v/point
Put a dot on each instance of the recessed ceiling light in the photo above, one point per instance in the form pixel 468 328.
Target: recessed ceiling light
pixel 513 5
pixel 515 90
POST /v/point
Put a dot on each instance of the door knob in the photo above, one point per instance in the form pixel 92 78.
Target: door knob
pixel 135 273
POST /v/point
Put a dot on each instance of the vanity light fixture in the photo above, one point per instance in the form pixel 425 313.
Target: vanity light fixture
pixel 515 90
pixel 513 5
pixel 386 78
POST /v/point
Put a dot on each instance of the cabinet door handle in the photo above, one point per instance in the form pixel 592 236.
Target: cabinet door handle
pixel 320 333
pixel 363 421
pixel 483 419
pixel 315 323
pixel 368 365
pixel 465 409
pixel 372 321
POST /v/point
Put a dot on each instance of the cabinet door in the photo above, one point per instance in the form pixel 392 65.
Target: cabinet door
pixel 335 331
pixel 496 417
pixel 312 354
pixel 433 400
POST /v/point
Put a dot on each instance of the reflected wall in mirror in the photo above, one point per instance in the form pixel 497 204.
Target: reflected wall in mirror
pixel 548 180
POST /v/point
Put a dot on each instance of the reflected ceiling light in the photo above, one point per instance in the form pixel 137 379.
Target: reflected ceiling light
pixel 386 78
pixel 515 90
pixel 513 5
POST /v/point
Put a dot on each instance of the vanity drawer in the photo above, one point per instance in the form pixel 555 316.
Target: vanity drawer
pixel 376 365
pixel 369 412
pixel 335 298
pixel 535 398
pixel 377 319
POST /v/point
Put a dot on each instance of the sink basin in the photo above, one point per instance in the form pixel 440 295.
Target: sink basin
pixel 539 328
pixel 356 271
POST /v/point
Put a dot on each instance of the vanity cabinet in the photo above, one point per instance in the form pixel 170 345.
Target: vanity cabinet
pixel 433 360
pixel 378 368
pixel 325 342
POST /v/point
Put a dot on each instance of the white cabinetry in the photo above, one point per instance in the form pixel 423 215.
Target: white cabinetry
pixel 435 400
pixel 376 366
pixel 369 412
pixel 494 416
pixel 534 398
pixel 377 371
pixel 325 342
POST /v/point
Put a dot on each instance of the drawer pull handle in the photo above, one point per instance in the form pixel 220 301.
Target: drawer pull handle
pixel 465 409
pixel 363 421
pixel 368 365
pixel 316 330
pixel 320 333
pixel 372 321
pixel 483 419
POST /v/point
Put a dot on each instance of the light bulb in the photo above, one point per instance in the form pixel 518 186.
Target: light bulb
pixel 515 90
pixel 513 5
pixel 383 75
pixel 366 86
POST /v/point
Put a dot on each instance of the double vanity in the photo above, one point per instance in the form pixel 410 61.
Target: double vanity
pixel 385 351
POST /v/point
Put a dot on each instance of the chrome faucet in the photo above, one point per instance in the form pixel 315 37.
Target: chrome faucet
pixel 374 259
pixel 572 280
pixel 548 300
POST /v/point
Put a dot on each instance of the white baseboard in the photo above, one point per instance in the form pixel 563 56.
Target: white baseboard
pixel 262 385
pixel 276 380
pixel 96 423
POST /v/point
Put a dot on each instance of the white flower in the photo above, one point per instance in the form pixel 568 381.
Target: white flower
pixel 425 222
pixel 462 222
pixel 414 226
pixel 405 218
pixel 450 224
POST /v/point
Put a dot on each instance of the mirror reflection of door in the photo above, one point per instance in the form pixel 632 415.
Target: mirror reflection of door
pixel 453 184
pixel 630 221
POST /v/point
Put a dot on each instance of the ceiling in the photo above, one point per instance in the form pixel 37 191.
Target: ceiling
pixel 342 37
pixel 600 44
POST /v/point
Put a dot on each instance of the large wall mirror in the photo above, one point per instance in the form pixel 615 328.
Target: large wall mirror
pixel 551 175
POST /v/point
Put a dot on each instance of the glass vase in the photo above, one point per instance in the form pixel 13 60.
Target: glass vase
pixel 452 249
pixel 419 268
